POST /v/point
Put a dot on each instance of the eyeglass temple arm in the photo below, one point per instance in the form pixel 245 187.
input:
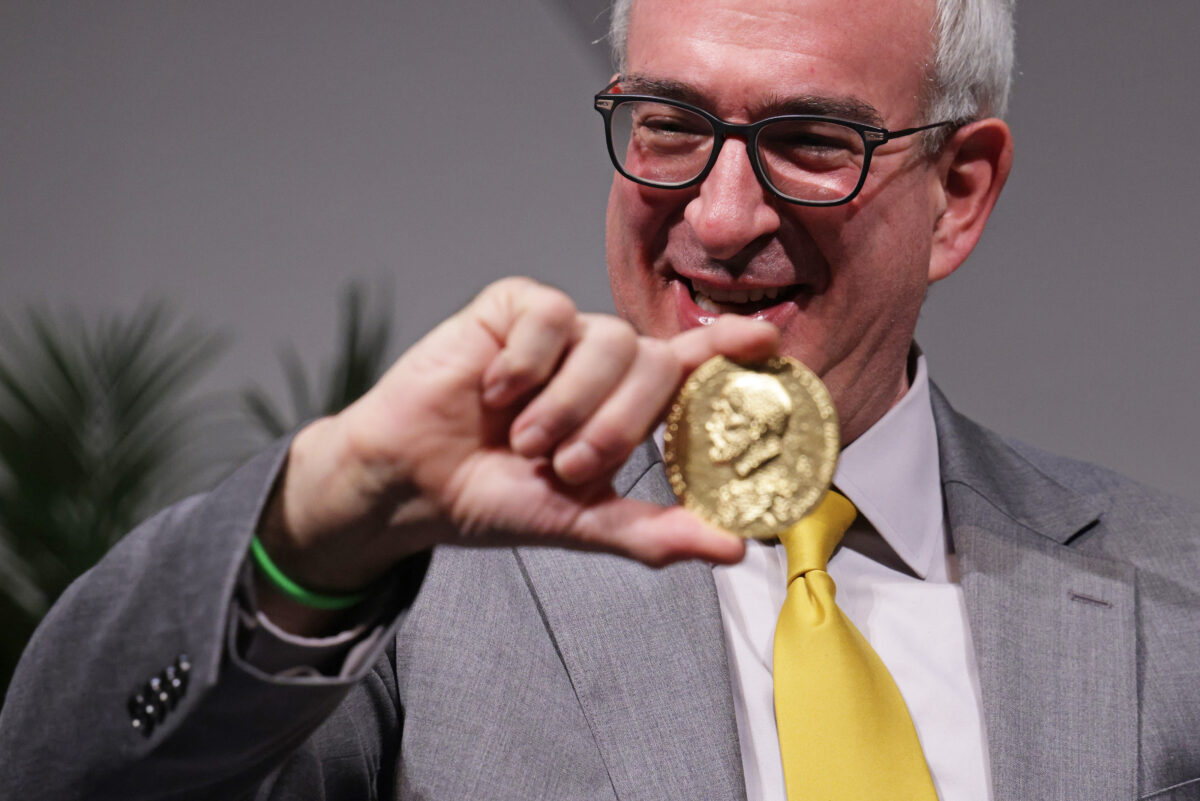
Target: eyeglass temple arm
pixel 890 135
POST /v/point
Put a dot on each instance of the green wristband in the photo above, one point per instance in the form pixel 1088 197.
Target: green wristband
pixel 293 590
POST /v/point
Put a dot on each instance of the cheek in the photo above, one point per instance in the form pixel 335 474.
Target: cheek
pixel 877 262
pixel 638 222
pixel 621 251
pixel 885 253
pixel 639 216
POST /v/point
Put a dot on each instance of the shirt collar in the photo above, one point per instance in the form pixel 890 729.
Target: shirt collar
pixel 891 474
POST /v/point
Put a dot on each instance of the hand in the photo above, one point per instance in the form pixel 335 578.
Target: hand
pixel 504 425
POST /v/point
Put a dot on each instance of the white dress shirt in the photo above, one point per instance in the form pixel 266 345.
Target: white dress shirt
pixel 918 626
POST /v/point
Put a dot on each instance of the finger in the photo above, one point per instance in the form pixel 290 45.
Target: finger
pixel 593 367
pixel 739 338
pixel 624 418
pixel 535 323
pixel 655 535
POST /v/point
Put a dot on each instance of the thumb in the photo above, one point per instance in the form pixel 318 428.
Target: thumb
pixel 656 535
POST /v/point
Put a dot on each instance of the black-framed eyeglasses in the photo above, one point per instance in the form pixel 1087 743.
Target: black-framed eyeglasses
pixel 802 158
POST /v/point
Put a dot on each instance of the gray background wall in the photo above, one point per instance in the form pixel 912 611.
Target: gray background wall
pixel 244 159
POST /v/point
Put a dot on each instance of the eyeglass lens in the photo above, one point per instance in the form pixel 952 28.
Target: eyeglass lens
pixel 808 160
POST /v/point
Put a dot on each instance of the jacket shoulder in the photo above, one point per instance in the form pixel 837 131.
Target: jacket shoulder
pixel 1127 519
pixel 1115 491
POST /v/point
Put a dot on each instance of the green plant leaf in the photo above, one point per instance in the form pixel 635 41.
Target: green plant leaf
pixel 96 428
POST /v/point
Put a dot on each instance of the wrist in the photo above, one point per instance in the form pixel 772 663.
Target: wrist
pixel 297 592
pixel 296 618
pixel 331 525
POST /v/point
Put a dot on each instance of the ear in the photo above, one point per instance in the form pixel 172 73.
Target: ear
pixel 972 169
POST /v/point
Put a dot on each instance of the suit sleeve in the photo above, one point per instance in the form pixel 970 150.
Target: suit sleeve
pixel 148 635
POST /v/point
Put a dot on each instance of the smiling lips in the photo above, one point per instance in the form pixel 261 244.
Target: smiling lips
pixel 750 301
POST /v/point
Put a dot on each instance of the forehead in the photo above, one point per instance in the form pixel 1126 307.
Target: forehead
pixel 741 55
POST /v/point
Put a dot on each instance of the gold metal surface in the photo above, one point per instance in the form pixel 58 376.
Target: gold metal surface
pixel 751 448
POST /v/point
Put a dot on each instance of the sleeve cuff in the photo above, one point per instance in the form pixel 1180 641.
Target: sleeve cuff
pixel 265 646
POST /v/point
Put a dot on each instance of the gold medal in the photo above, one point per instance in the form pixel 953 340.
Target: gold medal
pixel 751 448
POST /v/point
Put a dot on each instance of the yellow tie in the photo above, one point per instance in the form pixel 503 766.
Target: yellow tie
pixel 844 731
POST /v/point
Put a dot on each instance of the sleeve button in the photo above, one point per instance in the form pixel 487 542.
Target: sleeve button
pixel 136 704
pixel 141 714
pixel 183 669
pixel 152 708
pixel 158 689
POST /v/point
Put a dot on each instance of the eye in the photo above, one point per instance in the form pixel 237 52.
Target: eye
pixel 669 124
pixel 809 136
pixel 658 142
pixel 668 130
pixel 810 146
pixel 808 140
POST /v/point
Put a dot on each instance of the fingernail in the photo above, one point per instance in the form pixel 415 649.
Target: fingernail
pixel 496 391
pixel 578 461
pixel 531 441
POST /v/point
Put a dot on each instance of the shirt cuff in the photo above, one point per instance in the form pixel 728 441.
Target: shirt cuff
pixel 265 646
pixel 272 650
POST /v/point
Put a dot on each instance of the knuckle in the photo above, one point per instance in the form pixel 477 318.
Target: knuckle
pixel 617 336
pixel 555 308
pixel 520 367
pixel 615 326
pixel 611 441
pixel 607 347
pixel 509 285
pixel 556 416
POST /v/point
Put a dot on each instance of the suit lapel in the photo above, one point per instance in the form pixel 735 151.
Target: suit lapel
pixel 1054 633
pixel 644 651
pixel 1054 629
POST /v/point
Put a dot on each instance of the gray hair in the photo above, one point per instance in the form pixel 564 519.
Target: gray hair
pixel 973 57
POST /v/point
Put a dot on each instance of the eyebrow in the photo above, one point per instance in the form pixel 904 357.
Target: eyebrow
pixel 843 107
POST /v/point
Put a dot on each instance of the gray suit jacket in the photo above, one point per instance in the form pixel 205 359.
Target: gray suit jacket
pixel 538 673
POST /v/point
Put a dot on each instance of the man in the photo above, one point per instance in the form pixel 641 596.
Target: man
pixel 1045 648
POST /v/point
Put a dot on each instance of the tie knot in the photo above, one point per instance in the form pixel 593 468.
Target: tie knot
pixel 810 542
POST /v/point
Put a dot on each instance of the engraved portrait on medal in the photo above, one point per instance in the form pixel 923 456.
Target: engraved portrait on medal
pixel 751 448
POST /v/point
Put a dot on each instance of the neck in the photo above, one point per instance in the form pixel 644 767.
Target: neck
pixel 872 407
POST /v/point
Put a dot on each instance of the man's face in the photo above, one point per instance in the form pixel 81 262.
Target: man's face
pixel 848 280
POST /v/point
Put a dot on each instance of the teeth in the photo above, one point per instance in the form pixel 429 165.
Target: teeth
pixel 708 297
pixel 728 295
pixel 706 303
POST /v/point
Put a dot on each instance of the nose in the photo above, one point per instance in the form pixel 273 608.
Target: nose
pixel 732 208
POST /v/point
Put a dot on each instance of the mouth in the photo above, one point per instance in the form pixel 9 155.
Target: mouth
pixel 763 302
